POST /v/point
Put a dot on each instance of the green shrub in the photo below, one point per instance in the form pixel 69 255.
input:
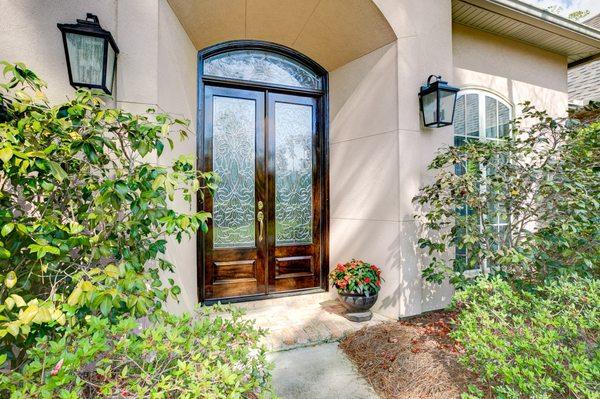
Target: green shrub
pixel 541 344
pixel 84 210
pixel 214 354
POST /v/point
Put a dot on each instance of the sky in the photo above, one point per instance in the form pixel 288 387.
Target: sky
pixel 569 5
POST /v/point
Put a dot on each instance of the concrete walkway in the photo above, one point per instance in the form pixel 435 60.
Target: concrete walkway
pixel 303 320
pixel 302 340
pixel 318 372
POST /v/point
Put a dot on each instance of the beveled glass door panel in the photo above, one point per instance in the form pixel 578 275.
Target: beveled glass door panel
pixel 294 189
pixel 234 131
pixel 234 248
pixel 293 173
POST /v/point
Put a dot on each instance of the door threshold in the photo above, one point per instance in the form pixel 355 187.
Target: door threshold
pixel 252 298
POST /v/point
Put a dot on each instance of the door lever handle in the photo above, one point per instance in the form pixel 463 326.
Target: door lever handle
pixel 260 217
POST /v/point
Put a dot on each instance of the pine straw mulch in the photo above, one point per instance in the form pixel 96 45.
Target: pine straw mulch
pixel 412 358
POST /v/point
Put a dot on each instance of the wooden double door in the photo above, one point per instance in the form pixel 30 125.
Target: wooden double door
pixel 266 234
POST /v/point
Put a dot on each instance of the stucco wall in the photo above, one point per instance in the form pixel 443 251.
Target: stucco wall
pixel 379 152
pixel 516 71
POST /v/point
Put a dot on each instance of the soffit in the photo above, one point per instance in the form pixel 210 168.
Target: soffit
pixel 331 32
pixel 520 21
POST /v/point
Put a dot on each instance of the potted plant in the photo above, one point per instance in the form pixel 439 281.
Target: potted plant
pixel 357 283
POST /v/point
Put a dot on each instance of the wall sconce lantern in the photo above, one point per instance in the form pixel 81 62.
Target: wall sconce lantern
pixel 91 54
pixel 437 101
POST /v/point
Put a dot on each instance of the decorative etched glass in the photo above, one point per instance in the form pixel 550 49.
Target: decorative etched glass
pixel 234 129
pixel 87 58
pixel 261 66
pixel 293 174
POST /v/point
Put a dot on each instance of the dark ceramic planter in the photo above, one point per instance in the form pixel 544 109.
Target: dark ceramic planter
pixel 357 302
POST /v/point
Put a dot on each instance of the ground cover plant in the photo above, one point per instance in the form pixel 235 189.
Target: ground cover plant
pixel 212 354
pixel 85 209
pixel 539 344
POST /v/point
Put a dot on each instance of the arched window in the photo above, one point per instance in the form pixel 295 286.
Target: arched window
pixel 261 66
pixel 480 115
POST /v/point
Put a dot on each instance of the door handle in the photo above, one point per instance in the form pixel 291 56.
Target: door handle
pixel 260 217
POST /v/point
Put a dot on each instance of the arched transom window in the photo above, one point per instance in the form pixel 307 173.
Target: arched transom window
pixel 261 66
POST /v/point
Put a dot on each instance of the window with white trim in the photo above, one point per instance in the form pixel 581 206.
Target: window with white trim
pixel 480 115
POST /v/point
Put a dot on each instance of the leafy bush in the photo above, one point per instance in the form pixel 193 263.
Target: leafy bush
pixel 541 344
pixel 84 211
pixel 526 207
pixel 214 354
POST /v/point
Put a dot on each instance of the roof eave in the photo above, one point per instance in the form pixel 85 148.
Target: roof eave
pixel 534 16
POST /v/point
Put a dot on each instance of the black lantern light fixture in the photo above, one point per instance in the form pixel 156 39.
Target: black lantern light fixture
pixel 91 54
pixel 437 101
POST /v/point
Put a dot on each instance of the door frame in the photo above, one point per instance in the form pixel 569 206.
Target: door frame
pixel 322 97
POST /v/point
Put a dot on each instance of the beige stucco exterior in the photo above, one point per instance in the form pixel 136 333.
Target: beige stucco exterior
pixel 378 149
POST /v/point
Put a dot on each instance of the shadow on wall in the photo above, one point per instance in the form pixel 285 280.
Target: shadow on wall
pixel 365 183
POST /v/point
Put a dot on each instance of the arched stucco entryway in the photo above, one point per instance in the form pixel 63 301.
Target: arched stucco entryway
pixel 377 53
pixel 331 32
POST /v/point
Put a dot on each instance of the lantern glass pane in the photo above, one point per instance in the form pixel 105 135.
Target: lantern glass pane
pixel 447 106
pixel 110 68
pixel 430 108
pixel 86 55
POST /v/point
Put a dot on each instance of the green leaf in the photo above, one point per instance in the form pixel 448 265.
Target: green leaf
pixel 57 171
pixel 106 306
pixel 74 297
pixel 111 271
pixel 4 253
pixel 11 279
pixel 6 229
pixel 121 187
pixel 6 154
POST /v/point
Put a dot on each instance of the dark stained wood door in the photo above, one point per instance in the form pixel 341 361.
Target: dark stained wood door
pixel 294 232
pixel 265 235
pixel 234 147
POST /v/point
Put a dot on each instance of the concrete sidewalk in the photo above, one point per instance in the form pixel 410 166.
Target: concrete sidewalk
pixel 318 372
pixel 303 320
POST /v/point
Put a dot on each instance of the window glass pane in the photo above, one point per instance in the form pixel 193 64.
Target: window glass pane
pixel 234 125
pixel 472 115
pixel 293 173
pixel 261 66
pixel 503 120
pixel 86 54
pixel 491 117
pixel 459 118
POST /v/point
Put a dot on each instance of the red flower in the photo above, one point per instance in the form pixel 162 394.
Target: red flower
pixel 378 283
pixel 367 280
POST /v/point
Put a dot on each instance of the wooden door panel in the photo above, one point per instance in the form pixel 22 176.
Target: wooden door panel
pixel 294 239
pixel 234 260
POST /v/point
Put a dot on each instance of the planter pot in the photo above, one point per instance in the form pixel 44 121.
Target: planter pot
pixel 358 305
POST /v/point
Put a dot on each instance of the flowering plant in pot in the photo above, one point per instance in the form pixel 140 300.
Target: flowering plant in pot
pixel 358 283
